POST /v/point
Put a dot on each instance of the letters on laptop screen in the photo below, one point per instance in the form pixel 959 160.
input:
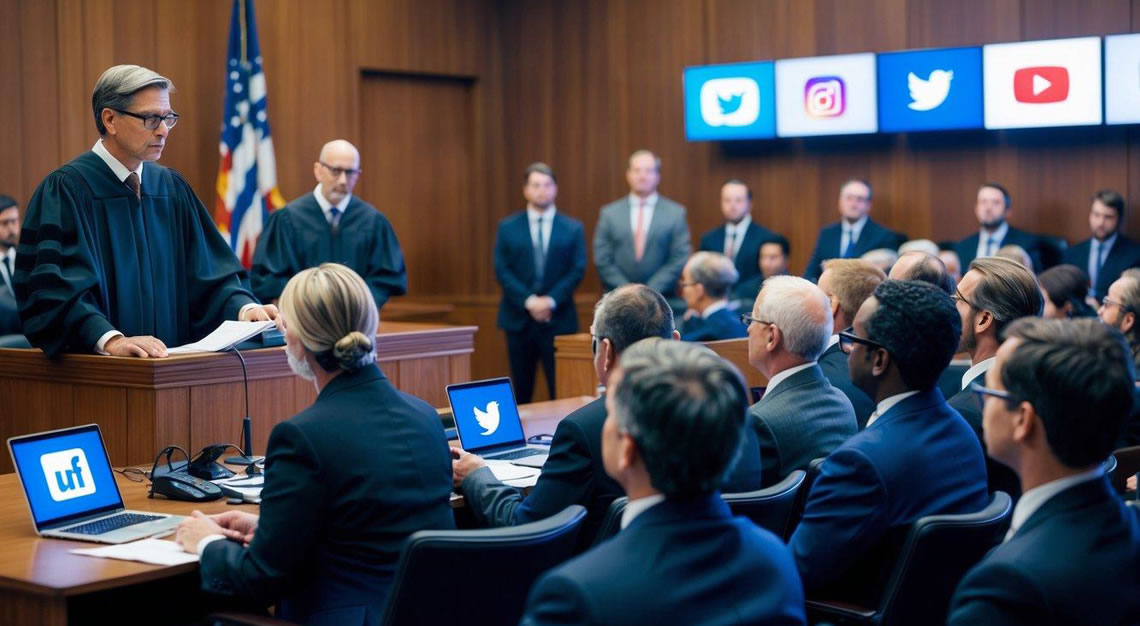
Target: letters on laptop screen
pixel 486 414
pixel 65 474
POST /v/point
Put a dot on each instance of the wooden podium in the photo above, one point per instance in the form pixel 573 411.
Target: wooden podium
pixel 574 373
pixel 142 405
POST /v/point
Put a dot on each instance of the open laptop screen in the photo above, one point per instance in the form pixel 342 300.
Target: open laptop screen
pixel 486 415
pixel 65 474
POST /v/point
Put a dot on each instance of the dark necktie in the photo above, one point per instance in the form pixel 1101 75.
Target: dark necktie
pixel 539 246
pixel 8 270
pixel 850 250
pixel 132 181
pixel 334 218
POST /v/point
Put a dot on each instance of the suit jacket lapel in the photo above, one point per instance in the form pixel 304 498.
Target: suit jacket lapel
pixel 524 232
pixel 866 238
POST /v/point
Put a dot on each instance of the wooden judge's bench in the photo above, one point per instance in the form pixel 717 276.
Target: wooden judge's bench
pixel 143 405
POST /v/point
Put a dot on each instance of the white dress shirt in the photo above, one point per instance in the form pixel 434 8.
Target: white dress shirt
pixel 342 206
pixel 977 370
pixel 831 342
pixel 784 375
pixel 650 205
pixel 532 216
pixel 735 233
pixel 639 506
pixel 985 236
pixel 1036 497
pixel 886 405
pixel 850 231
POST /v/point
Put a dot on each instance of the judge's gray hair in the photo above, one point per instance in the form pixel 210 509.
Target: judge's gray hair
pixel 117 87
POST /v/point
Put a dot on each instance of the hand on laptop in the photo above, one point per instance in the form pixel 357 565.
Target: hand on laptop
pixel 462 464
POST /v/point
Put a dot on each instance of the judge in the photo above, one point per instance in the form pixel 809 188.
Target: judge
pixel 330 225
pixel 121 259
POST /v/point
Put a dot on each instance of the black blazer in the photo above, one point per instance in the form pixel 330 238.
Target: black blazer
pixel 346 481
pixel 833 362
pixel 747 258
pixel 515 271
pixel 1125 254
pixel 1076 560
pixel 724 324
pixel 872 237
pixel 967 249
pixel 1001 477
pixel 679 562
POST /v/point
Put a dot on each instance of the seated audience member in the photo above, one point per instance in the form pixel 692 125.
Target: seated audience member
pixel 847 283
pixel 917 457
pixel 1109 252
pixel 1014 252
pixel 882 258
pixel 801 416
pixel 1055 396
pixel 1120 308
pixel 925 267
pixel 706 283
pixel 676 418
pixel 9 238
pixel 919 245
pixel 1064 288
pixel 346 480
pixel 573 473
pixel 774 257
pixel 950 259
pixel 992 209
pixel 739 238
pixel 854 234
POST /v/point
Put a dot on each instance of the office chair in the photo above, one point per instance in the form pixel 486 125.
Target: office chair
pixel 499 565
pixel 937 552
pixel 771 508
pixel 800 500
pixel 14 341
pixel 611 523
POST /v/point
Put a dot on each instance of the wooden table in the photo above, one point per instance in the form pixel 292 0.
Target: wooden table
pixel 142 405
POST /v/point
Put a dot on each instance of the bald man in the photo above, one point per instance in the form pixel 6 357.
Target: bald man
pixel 330 225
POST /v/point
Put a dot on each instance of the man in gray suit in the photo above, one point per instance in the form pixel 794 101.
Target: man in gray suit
pixel 801 416
pixel 643 237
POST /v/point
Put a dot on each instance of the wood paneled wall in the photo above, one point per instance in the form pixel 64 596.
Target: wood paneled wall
pixel 579 84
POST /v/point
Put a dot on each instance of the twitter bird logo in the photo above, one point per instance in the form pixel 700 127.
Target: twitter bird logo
pixel 488 419
pixel 729 105
pixel 930 93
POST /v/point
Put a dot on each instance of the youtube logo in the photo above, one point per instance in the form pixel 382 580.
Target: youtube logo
pixel 1041 84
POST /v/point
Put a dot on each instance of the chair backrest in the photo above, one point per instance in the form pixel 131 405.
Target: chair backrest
pixel 800 501
pixel 1127 464
pixel 497 567
pixel 611 523
pixel 769 508
pixel 937 553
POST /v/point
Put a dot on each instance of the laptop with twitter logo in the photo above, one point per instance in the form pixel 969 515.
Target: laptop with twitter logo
pixel 488 423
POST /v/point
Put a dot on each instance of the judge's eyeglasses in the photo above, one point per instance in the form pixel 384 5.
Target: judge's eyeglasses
pixel 150 122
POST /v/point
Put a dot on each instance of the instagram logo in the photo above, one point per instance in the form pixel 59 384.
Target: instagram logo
pixel 825 96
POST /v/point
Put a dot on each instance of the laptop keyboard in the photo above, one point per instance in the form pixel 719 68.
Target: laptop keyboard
pixel 518 454
pixel 106 525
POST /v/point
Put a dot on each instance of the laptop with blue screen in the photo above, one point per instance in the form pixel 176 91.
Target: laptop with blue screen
pixel 71 491
pixel 487 420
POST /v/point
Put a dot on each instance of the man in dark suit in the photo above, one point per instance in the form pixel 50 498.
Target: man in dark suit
pixel 854 234
pixel 642 237
pixel 9 238
pixel 740 239
pixel 917 265
pixel 992 294
pixel 1121 309
pixel 706 283
pixel 540 257
pixel 1109 252
pixel 917 456
pixel 1055 398
pixel 573 473
pixel 992 210
pixel 774 257
pixel 681 557
pixel 801 417
pixel 847 283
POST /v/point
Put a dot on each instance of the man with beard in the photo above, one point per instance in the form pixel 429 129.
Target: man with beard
pixel 9 237
pixel 1109 252
pixel 992 210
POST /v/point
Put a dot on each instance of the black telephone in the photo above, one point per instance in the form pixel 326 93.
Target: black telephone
pixel 175 482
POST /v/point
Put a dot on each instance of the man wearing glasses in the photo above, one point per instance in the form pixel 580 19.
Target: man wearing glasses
pixel 330 225
pixel 1121 308
pixel 121 259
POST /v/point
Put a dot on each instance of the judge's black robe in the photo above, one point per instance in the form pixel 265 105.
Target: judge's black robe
pixel 298 236
pixel 92 259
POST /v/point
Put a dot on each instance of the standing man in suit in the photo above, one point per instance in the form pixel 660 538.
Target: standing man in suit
pixel 992 210
pixel 9 237
pixel 1109 252
pixel 847 283
pixel 706 283
pixel 739 238
pixel 917 457
pixel 681 557
pixel 1055 398
pixel 643 237
pixel 801 416
pixel 540 257
pixel 992 294
pixel 854 234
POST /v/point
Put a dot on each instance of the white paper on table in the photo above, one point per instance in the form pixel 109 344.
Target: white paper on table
pixel 229 333
pixel 515 475
pixel 249 487
pixel 153 551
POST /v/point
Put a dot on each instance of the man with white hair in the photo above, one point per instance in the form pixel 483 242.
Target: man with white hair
pixel 121 259
pixel 801 417
pixel 330 225
pixel 706 283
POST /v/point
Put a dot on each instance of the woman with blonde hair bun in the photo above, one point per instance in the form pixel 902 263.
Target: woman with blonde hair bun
pixel 346 480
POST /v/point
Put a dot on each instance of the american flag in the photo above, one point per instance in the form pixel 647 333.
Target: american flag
pixel 247 175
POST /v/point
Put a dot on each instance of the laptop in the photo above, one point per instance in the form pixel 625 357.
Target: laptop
pixel 71 490
pixel 488 423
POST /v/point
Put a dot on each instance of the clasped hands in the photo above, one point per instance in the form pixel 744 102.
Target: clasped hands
pixel 235 525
